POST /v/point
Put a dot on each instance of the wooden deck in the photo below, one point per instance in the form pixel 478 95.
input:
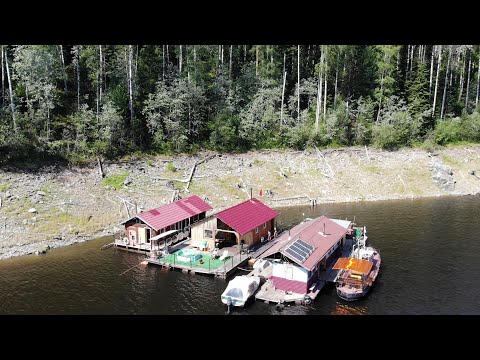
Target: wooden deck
pixel 263 274
pixel 143 247
pixel 330 274
pixel 235 260
pixel 269 293
pixel 140 248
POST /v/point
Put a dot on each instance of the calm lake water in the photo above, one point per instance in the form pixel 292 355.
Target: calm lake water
pixel 430 265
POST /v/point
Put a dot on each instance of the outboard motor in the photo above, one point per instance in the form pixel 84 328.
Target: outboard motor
pixel 229 305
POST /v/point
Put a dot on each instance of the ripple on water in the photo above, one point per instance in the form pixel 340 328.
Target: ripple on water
pixel 430 265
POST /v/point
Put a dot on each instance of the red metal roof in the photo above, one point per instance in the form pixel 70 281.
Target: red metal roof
pixel 246 216
pixel 321 233
pixel 169 214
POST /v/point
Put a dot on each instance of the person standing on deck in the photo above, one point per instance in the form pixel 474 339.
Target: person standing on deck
pixel 275 234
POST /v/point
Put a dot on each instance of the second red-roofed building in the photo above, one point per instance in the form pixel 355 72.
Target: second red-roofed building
pixel 247 223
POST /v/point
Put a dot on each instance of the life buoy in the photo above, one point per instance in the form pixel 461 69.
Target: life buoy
pixel 307 300
pixel 125 240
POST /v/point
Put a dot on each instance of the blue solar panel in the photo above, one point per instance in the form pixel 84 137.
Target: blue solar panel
pixel 299 250
pixel 294 255
pixel 303 244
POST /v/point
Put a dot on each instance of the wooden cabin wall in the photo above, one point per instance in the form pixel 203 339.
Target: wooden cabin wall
pixel 198 229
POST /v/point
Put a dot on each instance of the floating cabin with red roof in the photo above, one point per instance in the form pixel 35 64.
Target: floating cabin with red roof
pixel 164 220
pixel 302 253
pixel 245 223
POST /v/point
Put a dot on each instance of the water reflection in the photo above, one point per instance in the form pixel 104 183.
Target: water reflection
pixel 430 265
pixel 348 309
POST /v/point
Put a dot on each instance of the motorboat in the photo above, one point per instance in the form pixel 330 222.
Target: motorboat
pixel 239 290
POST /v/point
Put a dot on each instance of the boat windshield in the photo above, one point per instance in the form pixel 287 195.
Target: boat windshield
pixel 235 293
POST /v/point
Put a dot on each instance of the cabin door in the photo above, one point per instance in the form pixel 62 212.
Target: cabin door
pixel 289 273
pixel 142 235
pixel 132 236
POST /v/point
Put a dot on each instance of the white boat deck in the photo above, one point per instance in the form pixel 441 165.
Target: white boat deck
pixel 269 293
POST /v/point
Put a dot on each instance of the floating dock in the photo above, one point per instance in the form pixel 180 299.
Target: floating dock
pixel 137 248
pixel 217 267
pixel 268 293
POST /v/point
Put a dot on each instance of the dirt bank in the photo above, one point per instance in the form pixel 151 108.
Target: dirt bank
pixel 59 206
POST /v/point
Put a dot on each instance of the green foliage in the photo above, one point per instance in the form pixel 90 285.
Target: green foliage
pixel 456 130
pixel 175 111
pixel 387 56
pixel 260 117
pixel 4 187
pixel 362 132
pixel 361 72
pixel 448 131
pixel 417 90
pixel 170 167
pixel 395 126
pixel 386 136
pixel 115 181
pixel 337 125
pixel 72 101
pixel 428 144
pixel 471 126
pixel 224 132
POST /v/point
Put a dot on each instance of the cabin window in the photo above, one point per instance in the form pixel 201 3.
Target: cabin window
pixel 256 230
pixel 265 225
pixel 208 233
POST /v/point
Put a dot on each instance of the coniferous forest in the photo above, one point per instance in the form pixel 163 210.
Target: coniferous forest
pixel 77 102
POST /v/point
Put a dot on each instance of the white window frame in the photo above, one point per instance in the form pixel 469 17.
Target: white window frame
pixel 256 230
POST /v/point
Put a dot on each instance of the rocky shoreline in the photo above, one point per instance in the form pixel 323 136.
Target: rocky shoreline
pixel 58 206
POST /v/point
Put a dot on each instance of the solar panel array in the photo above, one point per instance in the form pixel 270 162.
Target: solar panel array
pixel 299 250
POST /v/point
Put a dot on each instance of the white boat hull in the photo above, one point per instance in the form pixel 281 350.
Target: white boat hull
pixel 239 290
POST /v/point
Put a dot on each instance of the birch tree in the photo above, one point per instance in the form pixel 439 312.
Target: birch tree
pixel 63 67
pixel 10 90
pixel 319 96
pixel 130 83
pixel 446 82
pixel 325 86
pixel 431 69
pixel 3 77
pixel 478 81
pixel 468 83
pixel 439 62
pixel 298 88
pixel 76 60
